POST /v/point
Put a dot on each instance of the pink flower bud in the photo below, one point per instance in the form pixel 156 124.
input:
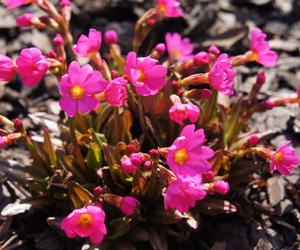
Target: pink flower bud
pixel 3 142
pixel 128 205
pixel 127 165
pixel 221 187
pixel 151 22
pixel 253 139
pixel 213 49
pixel 97 191
pixel 110 37
pixel 24 20
pixel 205 94
pixel 131 148
pixel 148 164
pixel 58 40
pixel 201 58
pixel 161 48
pixel 7 68
pixel 261 78
pixel 154 152
pixel 64 3
pixel 17 123
pixel 114 74
pixel 269 104
pixel 137 159
pixel 175 84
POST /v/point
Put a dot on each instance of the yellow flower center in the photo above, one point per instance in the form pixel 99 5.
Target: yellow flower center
pixel 77 92
pixel 85 220
pixel 161 8
pixel 254 56
pixel 278 156
pixel 141 76
pixel 175 53
pixel 181 156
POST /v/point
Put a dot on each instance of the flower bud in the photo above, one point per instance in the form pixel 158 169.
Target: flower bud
pixel 148 164
pixel 110 37
pixel 154 152
pixel 3 142
pixel 161 48
pixel 213 49
pixel 131 148
pixel 58 40
pixel 24 20
pixel 269 104
pixel 97 191
pixel 261 78
pixel 151 21
pixel 253 140
pixel 209 176
pixel 64 3
pixel 114 74
pixel 128 205
pixel 137 159
pixel 221 187
pixel 18 124
pixel 201 58
pixel 127 165
pixel 205 94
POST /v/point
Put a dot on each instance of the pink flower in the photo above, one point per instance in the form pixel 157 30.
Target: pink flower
pixel 187 156
pixel 180 112
pixel 24 20
pixel 78 89
pixel 32 66
pixel 284 159
pixel 221 75
pixel 179 49
pixel 115 92
pixel 10 4
pixel 201 58
pixel 88 46
pixel 184 192
pixel 169 8
pixel 127 165
pixel 7 68
pixel 221 187
pixel 261 49
pixel 110 37
pixel 213 49
pixel 85 222
pixel 145 74
pixel 128 205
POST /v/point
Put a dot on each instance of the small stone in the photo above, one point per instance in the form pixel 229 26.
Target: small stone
pixel 275 188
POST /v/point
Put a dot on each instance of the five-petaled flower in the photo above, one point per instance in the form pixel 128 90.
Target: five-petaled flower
pixel 85 222
pixel 169 8
pixel 88 46
pixel 179 48
pixel 145 74
pixel 221 75
pixel 284 159
pixel 260 48
pixel 32 66
pixel 183 193
pixel 78 89
pixel 187 156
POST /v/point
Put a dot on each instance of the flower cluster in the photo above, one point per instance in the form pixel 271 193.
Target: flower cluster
pixel 145 137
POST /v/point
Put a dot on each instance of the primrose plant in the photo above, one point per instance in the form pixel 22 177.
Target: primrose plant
pixel 146 141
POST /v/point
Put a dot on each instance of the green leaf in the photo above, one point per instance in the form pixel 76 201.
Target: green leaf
pixel 48 147
pixel 94 157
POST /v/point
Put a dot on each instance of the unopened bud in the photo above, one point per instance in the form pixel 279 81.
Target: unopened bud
pixel 58 40
pixel 24 20
pixel 221 187
pixel 213 49
pixel 201 58
pixel 161 48
pixel 110 37
pixel 269 104
pixel 253 140
pixel 261 78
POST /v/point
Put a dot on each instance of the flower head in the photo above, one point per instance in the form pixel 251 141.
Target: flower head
pixel 179 48
pixel 32 66
pixel 24 20
pixel 87 46
pixel 145 74
pixel 110 37
pixel 128 205
pixel 284 159
pixel 261 49
pixel 221 75
pixel 221 187
pixel 7 68
pixel 127 165
pixel 184 192
pixel 85 222
pixel 180 112
pixel 10 4
pixel 169 8
pixel 187 156
pixel 115 91
pixel 78 89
